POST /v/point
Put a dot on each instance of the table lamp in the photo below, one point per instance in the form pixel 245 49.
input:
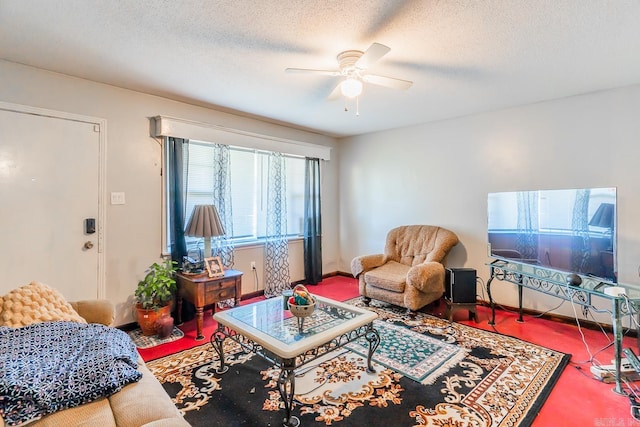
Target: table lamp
pixel 204 222
pixel 604 216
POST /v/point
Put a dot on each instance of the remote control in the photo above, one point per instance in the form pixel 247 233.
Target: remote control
pixel 633 360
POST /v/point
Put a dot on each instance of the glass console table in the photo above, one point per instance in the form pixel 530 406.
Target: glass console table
pixel 554 283
pixel 269 330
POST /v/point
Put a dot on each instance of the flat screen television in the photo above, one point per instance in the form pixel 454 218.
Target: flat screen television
pixel 568 230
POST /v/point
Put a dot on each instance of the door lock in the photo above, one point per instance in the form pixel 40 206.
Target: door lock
pixel 89 225
pixel 88 244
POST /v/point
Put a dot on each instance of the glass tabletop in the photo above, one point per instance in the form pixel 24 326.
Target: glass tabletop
pixel 592 285
pixel 269 324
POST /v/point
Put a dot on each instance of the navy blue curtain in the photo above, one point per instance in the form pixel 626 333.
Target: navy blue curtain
pixel 312 223
pixel 178 161
pixel 178 165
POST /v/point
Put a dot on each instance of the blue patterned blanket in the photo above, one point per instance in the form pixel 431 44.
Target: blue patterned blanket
pixel 52 366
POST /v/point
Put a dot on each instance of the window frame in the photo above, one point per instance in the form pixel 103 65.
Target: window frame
pixel 253 240
pixel 163 127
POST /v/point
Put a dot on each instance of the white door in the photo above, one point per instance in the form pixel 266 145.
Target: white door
pixel 49 184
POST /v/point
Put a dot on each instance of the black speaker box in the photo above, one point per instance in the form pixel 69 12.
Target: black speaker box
pixel 460 285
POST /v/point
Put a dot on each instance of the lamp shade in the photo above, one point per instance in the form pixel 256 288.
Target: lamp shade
pixel 604 216
pixel 204 222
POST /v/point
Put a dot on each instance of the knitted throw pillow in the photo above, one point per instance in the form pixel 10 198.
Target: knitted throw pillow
pixel 35 303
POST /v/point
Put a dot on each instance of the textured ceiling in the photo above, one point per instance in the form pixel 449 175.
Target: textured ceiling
pixel 464 57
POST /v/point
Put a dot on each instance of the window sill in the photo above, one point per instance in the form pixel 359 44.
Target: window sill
pixel 260 243
pixel 248 244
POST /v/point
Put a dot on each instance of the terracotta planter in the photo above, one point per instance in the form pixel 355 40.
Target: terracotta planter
pixel 164 326
pixel 147 318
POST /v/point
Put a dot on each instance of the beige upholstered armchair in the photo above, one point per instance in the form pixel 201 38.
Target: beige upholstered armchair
pixel 410 273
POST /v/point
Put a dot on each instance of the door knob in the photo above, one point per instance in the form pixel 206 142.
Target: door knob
pixel 88 244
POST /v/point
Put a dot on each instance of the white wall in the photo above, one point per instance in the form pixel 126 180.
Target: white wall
pixel 133 230
pixel 440 173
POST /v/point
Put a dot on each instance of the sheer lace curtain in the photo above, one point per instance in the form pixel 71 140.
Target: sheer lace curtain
pixel 527 242
pixel 277 276
pixel 581 244
pixel 222 246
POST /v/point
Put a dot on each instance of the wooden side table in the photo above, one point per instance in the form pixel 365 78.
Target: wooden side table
pixel 203 290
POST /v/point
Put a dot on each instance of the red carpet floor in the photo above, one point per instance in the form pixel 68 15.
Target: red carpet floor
pixel 576 400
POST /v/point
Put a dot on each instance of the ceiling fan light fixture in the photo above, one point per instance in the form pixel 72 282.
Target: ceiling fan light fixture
pixel 351 87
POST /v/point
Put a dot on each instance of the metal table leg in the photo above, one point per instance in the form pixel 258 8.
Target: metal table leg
pixel 520 319
pixel 217 341
pixel 374 340
pixel 493 306
pixel 617 345
pixel 287 387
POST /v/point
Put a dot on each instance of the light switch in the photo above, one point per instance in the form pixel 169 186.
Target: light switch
pixel 117 198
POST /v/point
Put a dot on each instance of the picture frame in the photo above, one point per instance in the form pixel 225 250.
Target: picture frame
pixel 214 266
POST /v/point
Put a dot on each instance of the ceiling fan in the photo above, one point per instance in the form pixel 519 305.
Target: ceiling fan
pixel 352 67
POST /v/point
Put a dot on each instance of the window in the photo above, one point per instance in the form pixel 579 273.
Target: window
pixel 248 190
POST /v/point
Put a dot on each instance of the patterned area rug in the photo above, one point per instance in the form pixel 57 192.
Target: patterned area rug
pixel 142 341
pixel 414 355
pixel 479 379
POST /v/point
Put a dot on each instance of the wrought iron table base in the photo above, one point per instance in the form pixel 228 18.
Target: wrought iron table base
pixel 557 286
pixel 287 378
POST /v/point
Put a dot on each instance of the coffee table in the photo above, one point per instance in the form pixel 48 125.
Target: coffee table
pixel 269 330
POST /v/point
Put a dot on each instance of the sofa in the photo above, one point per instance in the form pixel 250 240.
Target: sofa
pixel 410 272
pixel 140 403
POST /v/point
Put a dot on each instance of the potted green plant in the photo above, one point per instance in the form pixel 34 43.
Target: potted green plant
pixel 154 295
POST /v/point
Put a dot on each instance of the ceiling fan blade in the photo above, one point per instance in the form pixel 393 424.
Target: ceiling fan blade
pixel 387 81
pixel 371 55
pixel 335 93
pixel 309 71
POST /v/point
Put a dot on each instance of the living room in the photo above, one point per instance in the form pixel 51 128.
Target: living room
pixel 438 172
pixel 445 170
